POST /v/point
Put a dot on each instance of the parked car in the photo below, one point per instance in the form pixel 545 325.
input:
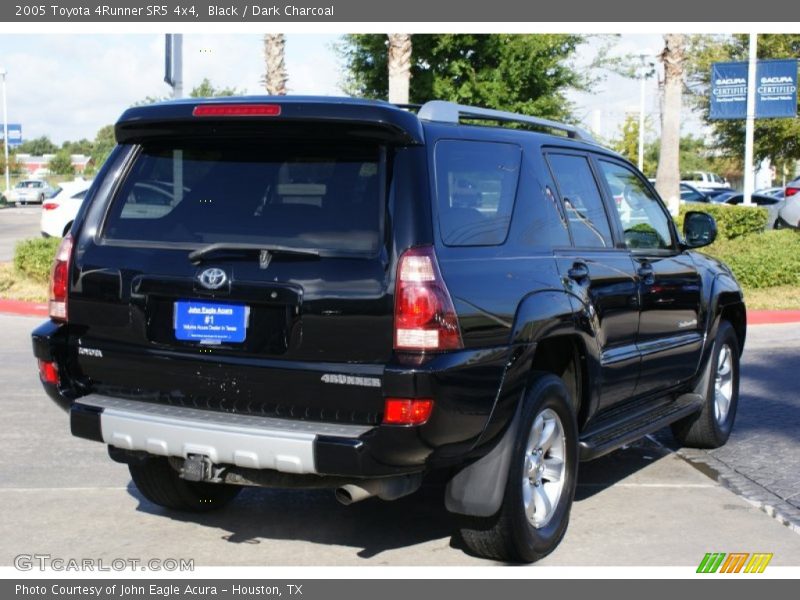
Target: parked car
pixel 59 212
pixel 30 191
pixel 344 294
pixel 775 192
pixel 789 213
pixel 689 193
pixel 704 180
pixel 771 203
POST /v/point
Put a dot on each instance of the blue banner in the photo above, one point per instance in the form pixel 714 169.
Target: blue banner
pixel 776 89
pixel 729 90
pixel 14 134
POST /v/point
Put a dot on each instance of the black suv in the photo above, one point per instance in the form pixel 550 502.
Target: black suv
pixel 346 294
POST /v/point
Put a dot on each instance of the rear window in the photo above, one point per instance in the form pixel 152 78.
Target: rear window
pixel 476 186
pixel 326 198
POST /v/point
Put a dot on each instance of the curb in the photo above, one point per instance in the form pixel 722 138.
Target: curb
pixel 23 308
pixel 772 317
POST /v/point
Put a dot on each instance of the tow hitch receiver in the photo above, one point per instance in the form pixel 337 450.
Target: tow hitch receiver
pixel 197 467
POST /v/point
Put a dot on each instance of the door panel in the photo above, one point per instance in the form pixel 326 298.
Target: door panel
pixel 670 335
pixel 609 294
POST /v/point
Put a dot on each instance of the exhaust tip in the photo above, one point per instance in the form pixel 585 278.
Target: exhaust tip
pixel 343 496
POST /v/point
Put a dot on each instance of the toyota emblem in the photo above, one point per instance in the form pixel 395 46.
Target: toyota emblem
pixel 213 278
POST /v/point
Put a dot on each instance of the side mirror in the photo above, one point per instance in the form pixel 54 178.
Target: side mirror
pixel 699 229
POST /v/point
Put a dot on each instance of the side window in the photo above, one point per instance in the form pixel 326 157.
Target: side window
pixel 582 201
pixel 644 222
pixel 476 183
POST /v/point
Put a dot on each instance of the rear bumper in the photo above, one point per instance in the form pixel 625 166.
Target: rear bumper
pixel 239 440
pixel 464 386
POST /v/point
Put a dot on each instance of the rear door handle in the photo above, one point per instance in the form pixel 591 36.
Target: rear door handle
pixel 578 272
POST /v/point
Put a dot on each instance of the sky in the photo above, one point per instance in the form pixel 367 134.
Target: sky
pixel 67 86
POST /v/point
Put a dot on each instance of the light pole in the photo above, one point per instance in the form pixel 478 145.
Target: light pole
pixel 3 74
pixel 644 73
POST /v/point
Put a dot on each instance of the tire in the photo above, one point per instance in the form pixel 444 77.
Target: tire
pixel 41 198
pixel 511 535
pixel 160 483
pixel 711 427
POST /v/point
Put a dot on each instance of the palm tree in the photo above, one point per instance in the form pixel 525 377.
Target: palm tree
pixel 399 67
pixel 275 76
pixel 668 172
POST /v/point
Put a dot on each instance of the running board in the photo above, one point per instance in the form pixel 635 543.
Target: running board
pixel 597 443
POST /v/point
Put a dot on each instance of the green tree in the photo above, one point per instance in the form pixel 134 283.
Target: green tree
pixel 82 146
pixel 776 139
pixel 61 164
pixel 104 143
pixel 15 167
pixel 38 146
pixel 208 90
pixel 521 73
pixel 628 144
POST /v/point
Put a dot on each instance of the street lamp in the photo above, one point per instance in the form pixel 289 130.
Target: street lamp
pixel 3 74
pixel 645 71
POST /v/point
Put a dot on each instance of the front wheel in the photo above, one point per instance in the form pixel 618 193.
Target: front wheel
pixel 541 482
pixel 711 427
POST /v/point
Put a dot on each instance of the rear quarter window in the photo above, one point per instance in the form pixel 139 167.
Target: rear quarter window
pixel 476 185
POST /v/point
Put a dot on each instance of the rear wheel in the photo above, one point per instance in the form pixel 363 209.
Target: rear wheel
pixel 541 481
pixel 160 483
pixel 711 427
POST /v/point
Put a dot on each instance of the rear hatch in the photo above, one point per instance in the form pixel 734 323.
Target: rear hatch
pixel 243 273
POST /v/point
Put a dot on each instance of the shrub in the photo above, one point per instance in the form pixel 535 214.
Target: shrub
pixel 761 260
pixel 732 221
pixel 34 258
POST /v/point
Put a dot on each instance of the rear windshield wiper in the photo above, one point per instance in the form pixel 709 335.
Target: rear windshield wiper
pixel 264 251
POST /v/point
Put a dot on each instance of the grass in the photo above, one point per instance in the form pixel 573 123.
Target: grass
pixel 783 297
pixel 14 286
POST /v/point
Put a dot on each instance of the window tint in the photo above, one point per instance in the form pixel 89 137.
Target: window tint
pixel 582 201
pixel 301 196
pixel 644 222
pixel 476 183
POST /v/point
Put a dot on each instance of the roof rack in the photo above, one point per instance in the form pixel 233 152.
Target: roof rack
pixel 450 112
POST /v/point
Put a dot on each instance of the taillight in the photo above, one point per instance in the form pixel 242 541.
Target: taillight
pixel 791 191
pixel 424 316
pixel 48 371
pixel 407 411
pixel 49 205
pixel 236 110
pixel 59 280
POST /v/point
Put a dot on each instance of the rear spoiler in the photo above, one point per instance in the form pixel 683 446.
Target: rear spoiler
pixel 280 116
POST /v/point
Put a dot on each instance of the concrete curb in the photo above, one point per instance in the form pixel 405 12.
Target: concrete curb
pixel 23 308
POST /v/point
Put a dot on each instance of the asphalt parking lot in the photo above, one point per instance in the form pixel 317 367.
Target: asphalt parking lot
pixel 643 505
pixel 17 223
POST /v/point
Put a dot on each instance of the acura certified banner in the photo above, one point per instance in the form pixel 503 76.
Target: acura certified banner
pixel 776 89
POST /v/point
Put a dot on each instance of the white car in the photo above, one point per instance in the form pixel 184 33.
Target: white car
pixel 789 215
pixel 59 212
pixel 704 181
pixel 30 191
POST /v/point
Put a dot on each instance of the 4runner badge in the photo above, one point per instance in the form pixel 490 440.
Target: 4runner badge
pixel 213 278
pixel 351 380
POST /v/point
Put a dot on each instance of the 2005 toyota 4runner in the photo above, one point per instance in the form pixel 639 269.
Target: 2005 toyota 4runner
pixel 346 294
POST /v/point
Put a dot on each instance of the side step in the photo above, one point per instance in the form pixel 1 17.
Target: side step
pixel 597 442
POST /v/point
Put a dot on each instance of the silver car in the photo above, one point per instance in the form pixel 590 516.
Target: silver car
pixel 30 191
pixel 789 214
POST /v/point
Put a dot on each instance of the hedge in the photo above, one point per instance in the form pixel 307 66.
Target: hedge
pixel 34 258
pixel 732 221
pixel 761 260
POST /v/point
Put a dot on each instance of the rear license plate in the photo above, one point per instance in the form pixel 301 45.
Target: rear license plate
pixel 210 323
